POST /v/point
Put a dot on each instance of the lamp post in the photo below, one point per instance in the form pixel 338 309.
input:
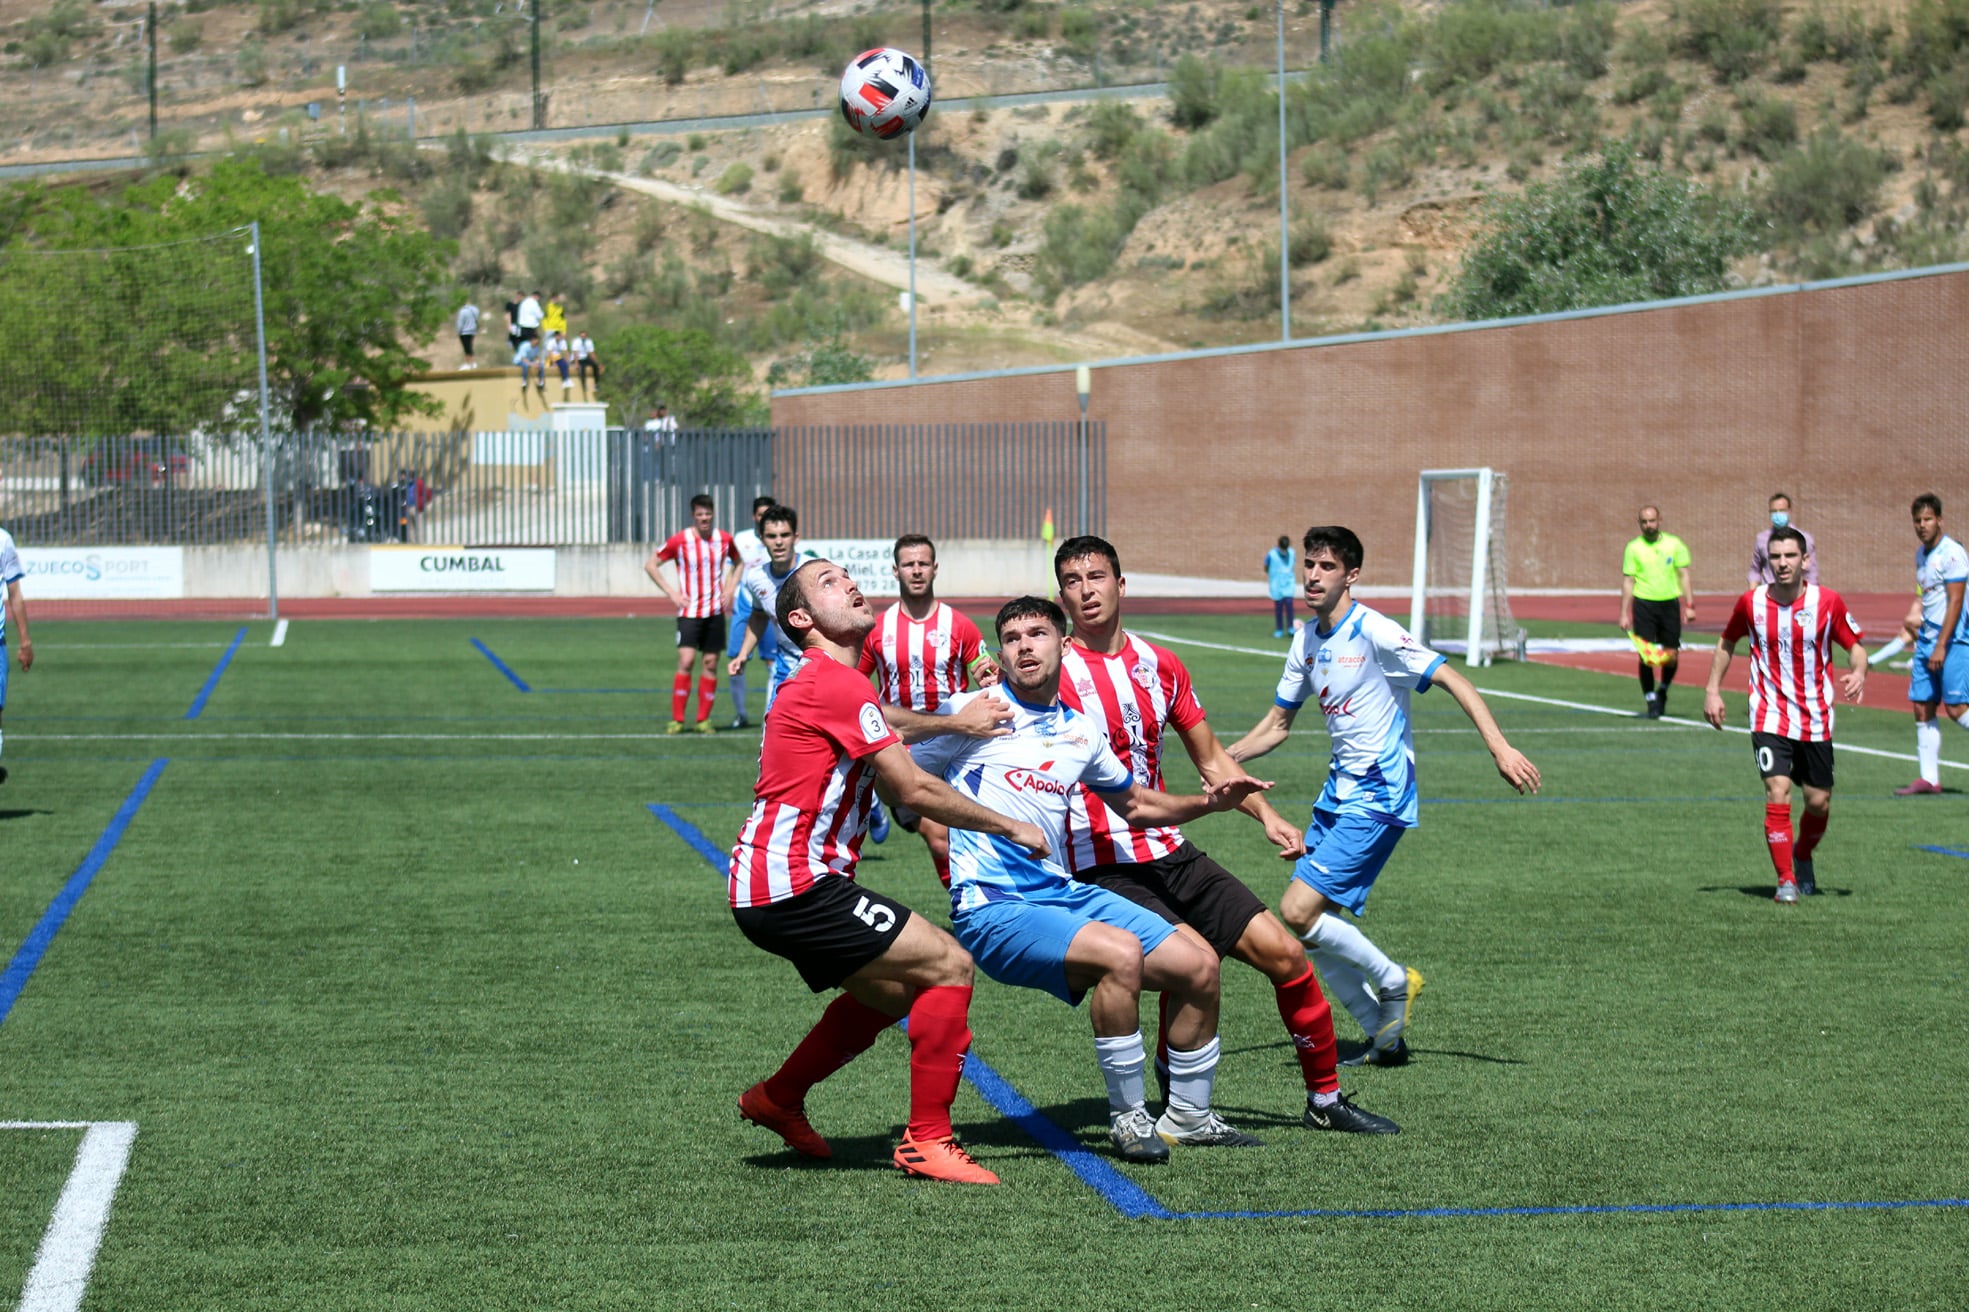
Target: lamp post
pixel 1083 383
pixel 1284 219
pixel 912 256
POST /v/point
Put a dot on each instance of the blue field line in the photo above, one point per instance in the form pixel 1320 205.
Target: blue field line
pixel 501 666
pixel 1600 1209
pixel 212 679
pixel 35 946
pixel 1944 851
pixel 646 692
pixel 1123 1194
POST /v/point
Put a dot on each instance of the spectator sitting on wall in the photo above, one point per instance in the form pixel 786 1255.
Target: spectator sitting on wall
pixel 557 356
pixel 586 362
pixel 528 358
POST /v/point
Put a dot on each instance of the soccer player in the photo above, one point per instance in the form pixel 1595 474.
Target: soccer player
pixel 1360 666
pixel 1792 625
pixel 707 566
pixel 750 552
pixel 1028 923
pixel 920 653
pixel 779 529
pixel 1133 689
pixel 1656 601
pixel 15 610
pixel 1940 676
pixel 793 892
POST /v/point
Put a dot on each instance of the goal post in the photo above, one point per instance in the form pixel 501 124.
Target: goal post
pixel 1459 597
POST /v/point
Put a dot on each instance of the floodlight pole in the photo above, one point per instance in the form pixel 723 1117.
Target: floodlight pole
pixel 1083 383
pixel 925 60
pixel 539 106
pixel 1326 29
pixel 266 430
pixel 912 256
pixel 1284 217
pixel 150 79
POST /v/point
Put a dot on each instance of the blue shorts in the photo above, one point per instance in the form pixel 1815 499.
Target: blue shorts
pixel 1023 942
pixel 1954 689
pixel 1344 856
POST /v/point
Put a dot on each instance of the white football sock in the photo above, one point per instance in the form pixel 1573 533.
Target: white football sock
pixel 1345 941
pixel 1191 1075
pixel 1963 719
pixel 1887 653
pixel 1122 1058
pixel 736 683
pixel 1346 985
pixel 1928 749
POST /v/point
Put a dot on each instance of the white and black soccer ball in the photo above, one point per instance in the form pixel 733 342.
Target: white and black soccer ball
pixel 885 92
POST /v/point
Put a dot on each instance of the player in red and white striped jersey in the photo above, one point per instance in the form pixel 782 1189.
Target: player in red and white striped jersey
pixel 921 652
pixel 1792 626
pixel 793 892
pixel 1136 689
pixel 706 562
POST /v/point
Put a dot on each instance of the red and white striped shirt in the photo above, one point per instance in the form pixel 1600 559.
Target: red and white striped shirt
pixel 921 663
pixel 813 796
pixel 700 563
pixel 1791 658
pixel 1134 694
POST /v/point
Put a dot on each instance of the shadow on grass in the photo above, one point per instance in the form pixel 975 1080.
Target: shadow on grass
pixel 1766 892
pixel 23 814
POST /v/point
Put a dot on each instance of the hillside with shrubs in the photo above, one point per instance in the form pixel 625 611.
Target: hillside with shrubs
pixel 1463 160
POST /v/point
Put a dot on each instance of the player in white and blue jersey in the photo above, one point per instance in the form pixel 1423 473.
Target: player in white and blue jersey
pixel 1940 676
pixel 751 551
pixel 1360 667
pixel 1024 919
pixel 779 531
pixel 14 609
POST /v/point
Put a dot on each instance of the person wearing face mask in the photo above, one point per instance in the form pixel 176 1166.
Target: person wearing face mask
pixel 1760 553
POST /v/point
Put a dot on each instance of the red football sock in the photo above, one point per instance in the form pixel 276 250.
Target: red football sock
pixel 939 1036
pixel 707 693
pixel 1777 832
pixel 1309 1020
pixel 680 695
pixel 941 860
pixel 845 1031
pixel 1811 828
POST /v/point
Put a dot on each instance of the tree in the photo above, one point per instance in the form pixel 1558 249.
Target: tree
pixel 704 384
pixel 349 289
pixel 822 364
pixel 1607 231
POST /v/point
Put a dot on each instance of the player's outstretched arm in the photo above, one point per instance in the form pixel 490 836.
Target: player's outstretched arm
pixel 755 630
pixel 1713 709
pixel 17 616
pixel 1513 765
pixel 1214 763
pixel 905 782
pixel 981 717
pixel 1145 806
pixel 1268 734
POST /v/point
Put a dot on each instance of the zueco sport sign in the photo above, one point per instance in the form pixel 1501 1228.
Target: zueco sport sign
pixel 103 573
pixel 461 569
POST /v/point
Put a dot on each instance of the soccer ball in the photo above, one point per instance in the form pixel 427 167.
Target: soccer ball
pixel 884 92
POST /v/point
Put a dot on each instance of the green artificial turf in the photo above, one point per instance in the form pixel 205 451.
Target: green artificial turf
pixel 417 1005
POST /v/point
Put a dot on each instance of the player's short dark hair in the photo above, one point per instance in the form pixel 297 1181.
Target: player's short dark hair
pixel 1086 545
pixel 1344 543
pixel 912 540
pixel 1787 534
pixel 778 514
pixel 703 499
pixel 1284 542
pixel 1028 607
pixel 762 503
pixel 792 597
pixel 1779 496
pixel 1927 501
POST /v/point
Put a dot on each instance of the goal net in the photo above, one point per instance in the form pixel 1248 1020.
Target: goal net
pixel 130 428
pixel 1460 601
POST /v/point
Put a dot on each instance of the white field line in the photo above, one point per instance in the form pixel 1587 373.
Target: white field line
pixel 60 1275
pixel 279 634
pixel 128 646
pixel 1568 705
pixel 176 736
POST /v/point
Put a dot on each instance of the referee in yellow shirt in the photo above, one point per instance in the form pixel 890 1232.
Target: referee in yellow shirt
pixel 1655 601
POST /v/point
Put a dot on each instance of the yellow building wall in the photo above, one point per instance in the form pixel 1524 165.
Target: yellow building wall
pixel 491 399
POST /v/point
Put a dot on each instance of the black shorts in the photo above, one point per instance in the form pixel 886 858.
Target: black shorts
pixel 704 632
pixel 1659 622
pixel 1185 888
pixel 828 932
pixel 1801 762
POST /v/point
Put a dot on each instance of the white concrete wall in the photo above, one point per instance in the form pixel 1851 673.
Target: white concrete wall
pixel 969 568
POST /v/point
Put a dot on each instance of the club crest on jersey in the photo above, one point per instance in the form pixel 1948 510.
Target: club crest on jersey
pixel 937 638
pixel 873 727
pixel 1144 677
pixel 1325 657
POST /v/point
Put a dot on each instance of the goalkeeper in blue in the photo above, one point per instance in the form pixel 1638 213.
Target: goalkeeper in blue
pixel 1360 667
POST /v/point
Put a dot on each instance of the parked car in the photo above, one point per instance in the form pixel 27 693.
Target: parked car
pixel 145 461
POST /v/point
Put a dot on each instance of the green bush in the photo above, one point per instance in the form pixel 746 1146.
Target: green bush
pixel 779 265
pixel 1325 165
pixel 1079 246
pixel 1585 37
pixel 1733 37
pixel 1644 85
pixel 1469 41
pixel 1770 126
pixel 1840 32
pixel 1036 180
pixel 1080 30
pixel 1034 24
pixel 1310 242
pixel 1948 96
pixel 1829 182
pixel 1937 32
pixel 1193 92
pixel 735 180
pixel 662 155
pixel 1110 127
pixel 379 21
pixel 448 207
pixel 676 52
pixel 251 62
pixel 1550 96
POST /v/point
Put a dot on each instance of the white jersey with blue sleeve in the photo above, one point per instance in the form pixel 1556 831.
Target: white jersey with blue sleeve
pixel 1934 569
pixel 1029 774
pixel 761 585
pixel 1361 672
pixel 11 572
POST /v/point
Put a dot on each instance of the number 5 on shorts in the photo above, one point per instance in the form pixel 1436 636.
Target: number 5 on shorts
pixel 876 916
